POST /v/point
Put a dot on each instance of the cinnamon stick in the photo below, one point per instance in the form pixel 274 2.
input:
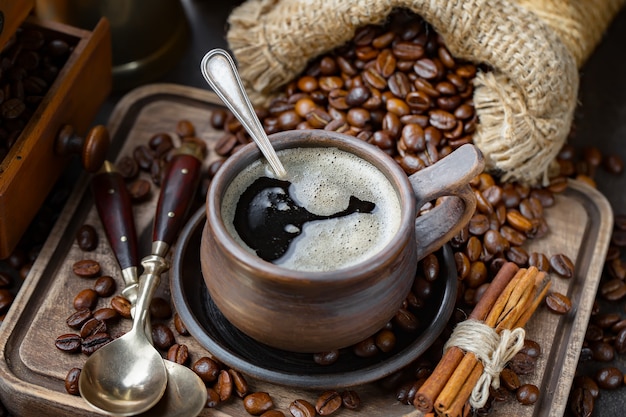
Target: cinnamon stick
pixel 425 397
pixel 520 300
pixel 521 322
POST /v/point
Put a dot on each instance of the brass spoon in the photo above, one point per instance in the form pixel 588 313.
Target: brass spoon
pixel 220 72
pixel 128 376
pixel 185 394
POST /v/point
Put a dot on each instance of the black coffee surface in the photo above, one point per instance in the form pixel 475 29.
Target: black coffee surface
pixel 268 219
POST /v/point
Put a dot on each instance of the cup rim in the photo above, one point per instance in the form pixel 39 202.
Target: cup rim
pixel 294 138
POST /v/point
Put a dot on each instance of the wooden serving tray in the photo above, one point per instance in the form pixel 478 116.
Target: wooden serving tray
pixel 33 370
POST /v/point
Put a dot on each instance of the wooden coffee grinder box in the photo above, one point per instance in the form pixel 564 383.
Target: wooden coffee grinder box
pixel 33 161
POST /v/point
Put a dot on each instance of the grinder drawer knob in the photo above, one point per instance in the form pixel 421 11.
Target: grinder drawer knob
pixel 92 148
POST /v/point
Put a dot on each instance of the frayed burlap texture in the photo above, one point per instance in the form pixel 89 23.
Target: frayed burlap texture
pixel 525 105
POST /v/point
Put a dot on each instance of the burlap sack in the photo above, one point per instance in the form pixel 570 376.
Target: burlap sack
pixel 525 105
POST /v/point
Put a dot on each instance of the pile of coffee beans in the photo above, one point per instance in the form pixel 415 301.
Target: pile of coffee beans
pixel 29 64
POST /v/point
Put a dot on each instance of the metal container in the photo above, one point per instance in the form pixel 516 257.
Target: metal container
pixel 148 36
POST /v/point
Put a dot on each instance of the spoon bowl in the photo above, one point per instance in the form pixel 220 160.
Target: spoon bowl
pixel 128 376
pixel 184 396
pixel 125 388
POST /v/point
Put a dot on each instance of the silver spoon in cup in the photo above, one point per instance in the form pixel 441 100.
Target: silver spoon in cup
pixel 220 72
pixel 185 394
pixel 128 376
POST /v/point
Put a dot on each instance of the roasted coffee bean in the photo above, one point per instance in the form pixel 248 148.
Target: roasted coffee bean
pixel 587 383
pixel 143 157
pixel 139 190
pixel 87 237
pixel 545 196
pixel 430 267
pixel 127 167
pixel 78 318
pixel 91 327
pixel 213 398
pixel 558 303
pixel 581 402
pixel 420 292
pixel 522 364
pixel 406 321
pixel 562 265
pixel 365 348
pixel 162 336
pixel 479 224
pixel 121 305
pixel 619 325
pixel 328 402
pixel 69 342
pixel 160 308
pixel 620 342
pixel 326 358
pixel 477 274
pixel 412 390
pixel 273 413
pixel 509 379
pixel 602 351
pixel 71 381
pixel 527 394
pixel 540 261
pixel 86 268
pixel 257 403
pixel 240 385
pixel 385 340
pixel 462 265
pixel 613 290
pixel 518 255
pixel 185 129
pixel 531 348
pixel 606 320
pixel 95 342
pixel 178 353
pixel 105 286
pixel 302 408
pixel 87 298
pixel 350 399
pixel 180 326
pixel 609 378
pixel 206 368
pixel 405 393
pixel 613 164
pixel 224 385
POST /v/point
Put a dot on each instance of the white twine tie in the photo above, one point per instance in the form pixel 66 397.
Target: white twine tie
pixel 492 349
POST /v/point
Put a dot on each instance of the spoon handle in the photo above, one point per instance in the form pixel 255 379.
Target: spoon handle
pixel 114 207
pixel 177 191
pixel 220 72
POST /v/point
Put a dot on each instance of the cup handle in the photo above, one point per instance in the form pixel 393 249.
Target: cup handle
pixel 447 178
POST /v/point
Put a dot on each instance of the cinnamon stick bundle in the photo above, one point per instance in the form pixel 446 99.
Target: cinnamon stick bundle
pixel 516 294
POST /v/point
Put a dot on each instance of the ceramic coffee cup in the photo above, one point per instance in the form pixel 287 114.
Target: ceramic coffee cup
pixel 298 307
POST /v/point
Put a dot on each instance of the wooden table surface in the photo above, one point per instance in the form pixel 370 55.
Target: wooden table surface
pixel 600 120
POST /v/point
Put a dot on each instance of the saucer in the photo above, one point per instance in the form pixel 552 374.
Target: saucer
pixel 235 349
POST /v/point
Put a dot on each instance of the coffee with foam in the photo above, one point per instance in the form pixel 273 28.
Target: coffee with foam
pixel 352 210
